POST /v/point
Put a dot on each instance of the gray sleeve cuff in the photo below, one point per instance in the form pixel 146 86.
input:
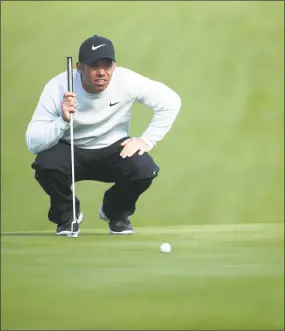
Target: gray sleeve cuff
pixel 62 124
pixel 149 142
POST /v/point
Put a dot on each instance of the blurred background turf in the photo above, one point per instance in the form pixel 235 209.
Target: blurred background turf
pixel 222 169
pixel 222 162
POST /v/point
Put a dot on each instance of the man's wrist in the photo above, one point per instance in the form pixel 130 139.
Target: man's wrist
pixel 149 142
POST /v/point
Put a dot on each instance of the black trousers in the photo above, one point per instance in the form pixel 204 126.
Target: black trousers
pixel 131 177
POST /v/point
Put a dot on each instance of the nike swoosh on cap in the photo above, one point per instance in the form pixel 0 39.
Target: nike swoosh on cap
pixel 96 47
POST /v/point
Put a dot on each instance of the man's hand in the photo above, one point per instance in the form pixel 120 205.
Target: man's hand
pixel 68 105
pixel 132 145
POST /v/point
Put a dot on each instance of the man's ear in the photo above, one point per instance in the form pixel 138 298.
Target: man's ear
pixel 79 66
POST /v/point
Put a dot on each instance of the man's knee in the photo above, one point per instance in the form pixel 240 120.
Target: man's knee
pixel 143 167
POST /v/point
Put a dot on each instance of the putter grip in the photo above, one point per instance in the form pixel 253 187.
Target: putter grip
pixel 69 74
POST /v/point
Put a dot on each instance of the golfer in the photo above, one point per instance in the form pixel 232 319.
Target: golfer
pixel 103 151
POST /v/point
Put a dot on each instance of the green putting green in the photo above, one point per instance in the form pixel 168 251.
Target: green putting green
pixel 218 277
pixel 219 197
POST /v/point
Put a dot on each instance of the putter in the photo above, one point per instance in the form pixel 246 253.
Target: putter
pixel 70 89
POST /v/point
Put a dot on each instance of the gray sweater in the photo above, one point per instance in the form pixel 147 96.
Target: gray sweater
pixel 103 118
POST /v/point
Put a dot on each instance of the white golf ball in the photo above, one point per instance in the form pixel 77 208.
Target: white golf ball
pixel 165 248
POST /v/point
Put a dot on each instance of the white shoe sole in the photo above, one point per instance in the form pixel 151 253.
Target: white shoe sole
pixel 69 234
pixel 125 232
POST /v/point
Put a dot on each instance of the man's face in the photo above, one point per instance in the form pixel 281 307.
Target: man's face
pixel 96 76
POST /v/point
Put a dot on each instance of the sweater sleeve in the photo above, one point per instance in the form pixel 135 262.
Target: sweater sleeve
pixel 161 99
pixel 46 126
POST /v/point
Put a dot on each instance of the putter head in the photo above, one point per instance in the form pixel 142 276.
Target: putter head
pixel 72 235
pixel 75 230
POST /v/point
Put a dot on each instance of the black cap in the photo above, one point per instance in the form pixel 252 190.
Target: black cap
pixel 95 48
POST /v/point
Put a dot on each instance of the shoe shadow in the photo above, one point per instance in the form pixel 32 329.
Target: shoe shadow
pixel 47 234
